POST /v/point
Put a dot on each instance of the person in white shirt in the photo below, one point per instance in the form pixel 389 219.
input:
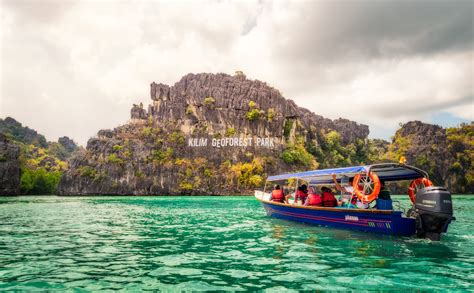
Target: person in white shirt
pixel 348 198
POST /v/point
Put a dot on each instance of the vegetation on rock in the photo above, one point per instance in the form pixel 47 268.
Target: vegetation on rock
pixel 41 163
pixel 209 101
pixel 151 154
pixel 253 114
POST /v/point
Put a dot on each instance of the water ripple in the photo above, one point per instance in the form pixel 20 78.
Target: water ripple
pixel 213 243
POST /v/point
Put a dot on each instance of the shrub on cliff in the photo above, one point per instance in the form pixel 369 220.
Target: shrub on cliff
pixel 209 101
pixel 297 154
pixel 39 181
pixel 161 156
pixel 230 131
pixel 117 148
pixel 271 114
pixel 146 132
pixel 287 128
pixel 87 171
pixel 186 186
pixel 114 159
pixel 177 137
pixel 253 114
pixel 248 174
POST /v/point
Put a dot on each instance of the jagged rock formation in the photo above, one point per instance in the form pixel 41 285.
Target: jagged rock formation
pixel 153 153
pixel 69 145
pixel 20 133
pixel 446 154
pixel 9 167
pixel 186 104
pixel 171 147
pixel 39 162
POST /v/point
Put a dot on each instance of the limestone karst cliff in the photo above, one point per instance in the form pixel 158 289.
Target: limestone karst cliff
pixel 447 154
pixel 155 152
pixel 9 167
pixel 28 163
pixel 220 134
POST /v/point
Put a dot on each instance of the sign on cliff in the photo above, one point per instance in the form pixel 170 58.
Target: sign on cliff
pixel 264 142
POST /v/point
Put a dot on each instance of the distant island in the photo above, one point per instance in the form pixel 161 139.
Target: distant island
pixel 217 134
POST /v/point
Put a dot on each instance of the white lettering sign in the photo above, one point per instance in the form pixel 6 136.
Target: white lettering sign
pixel 261 142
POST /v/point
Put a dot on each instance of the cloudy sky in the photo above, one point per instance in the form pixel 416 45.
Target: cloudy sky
pixel 74 67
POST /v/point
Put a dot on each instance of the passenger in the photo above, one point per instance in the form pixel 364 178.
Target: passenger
pixel 277 194
pixel 301 193
pixel 328 199
pixel 384 201
pixel 384 192
pixel 313 198
pixel 348 198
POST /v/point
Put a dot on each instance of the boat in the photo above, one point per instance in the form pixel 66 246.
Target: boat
pixel 429 217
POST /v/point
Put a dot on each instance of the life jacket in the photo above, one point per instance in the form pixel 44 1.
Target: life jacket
pixel 277 195
pixel 314 199
pixel 301 195
pixel 328 199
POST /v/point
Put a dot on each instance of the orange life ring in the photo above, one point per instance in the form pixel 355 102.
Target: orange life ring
pixel 414 185
pixel 362 186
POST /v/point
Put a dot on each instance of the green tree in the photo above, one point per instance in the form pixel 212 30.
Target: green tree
pixel 39 181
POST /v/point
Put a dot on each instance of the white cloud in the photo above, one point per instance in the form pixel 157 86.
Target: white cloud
pixel 71 68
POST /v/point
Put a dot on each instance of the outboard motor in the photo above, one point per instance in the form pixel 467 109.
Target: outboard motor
pixel 434 211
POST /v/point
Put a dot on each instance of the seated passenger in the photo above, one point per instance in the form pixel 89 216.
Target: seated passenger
pixel 384 201
pixel 313 198
pixel 301 193
pixel 328 199
pixel 384 192
pixel 277 194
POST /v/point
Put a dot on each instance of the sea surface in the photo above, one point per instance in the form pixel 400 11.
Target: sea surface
pixel 214 243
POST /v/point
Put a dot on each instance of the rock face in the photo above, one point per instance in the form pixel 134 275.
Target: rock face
pixel 68 144
pixel 21 133
pixel 9 167
pixel 246 125
pixel 446 154
pixel 186 103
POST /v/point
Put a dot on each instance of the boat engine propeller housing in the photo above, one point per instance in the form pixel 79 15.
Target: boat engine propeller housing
pixel 434 212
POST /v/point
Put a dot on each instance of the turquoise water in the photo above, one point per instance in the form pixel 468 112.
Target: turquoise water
pixel 213 243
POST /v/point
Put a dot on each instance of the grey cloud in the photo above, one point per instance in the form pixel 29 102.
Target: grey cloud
pixel 252 20
pixel 38 12
pixel 340 30
pixel 408 110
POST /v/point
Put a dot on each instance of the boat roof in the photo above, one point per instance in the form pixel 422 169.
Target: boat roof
pixel 385 172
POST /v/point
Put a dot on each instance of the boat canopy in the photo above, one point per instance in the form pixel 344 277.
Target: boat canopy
pixel 386 172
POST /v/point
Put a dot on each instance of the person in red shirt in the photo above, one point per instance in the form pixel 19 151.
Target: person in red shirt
pixel 277 194
pixel 301 193
pixel 313 198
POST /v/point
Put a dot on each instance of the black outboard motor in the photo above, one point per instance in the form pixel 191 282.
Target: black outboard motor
pixel 434 211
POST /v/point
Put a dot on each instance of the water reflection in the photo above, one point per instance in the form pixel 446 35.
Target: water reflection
pixel 278 233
